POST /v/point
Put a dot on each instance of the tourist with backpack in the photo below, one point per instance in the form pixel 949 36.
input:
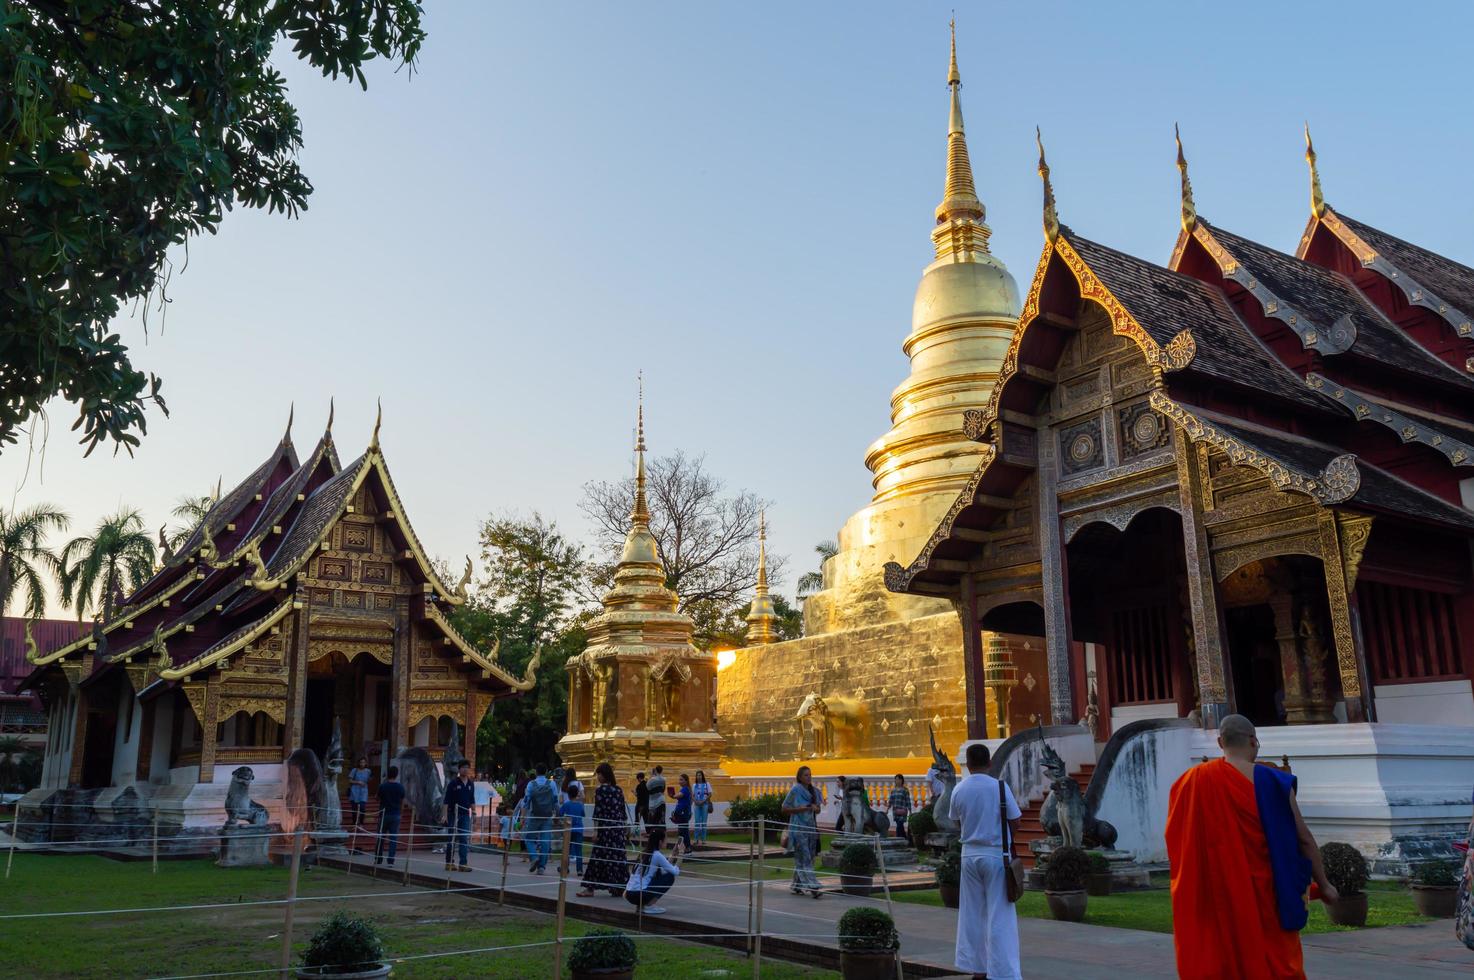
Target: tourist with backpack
pixel 542 806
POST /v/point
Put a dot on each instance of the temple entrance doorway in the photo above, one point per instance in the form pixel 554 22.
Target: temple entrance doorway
pixel 1277 627
pixel 1127 595
pixel 356 692
pixel 1258 687
pixel 101 704
pixel 317 716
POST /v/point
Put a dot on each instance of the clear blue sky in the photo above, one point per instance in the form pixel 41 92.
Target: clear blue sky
pixel 736 199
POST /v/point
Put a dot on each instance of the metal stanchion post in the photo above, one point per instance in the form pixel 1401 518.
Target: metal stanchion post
pixel 751 857
pixel 885 881
pixel 14 836
pixel 501 898
pixel 562 900
pixel 156 840
pixel 409 848
pixel 286 935
pixel 762 877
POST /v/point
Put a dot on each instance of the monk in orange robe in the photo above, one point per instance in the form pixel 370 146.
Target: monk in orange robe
pixel 1226 916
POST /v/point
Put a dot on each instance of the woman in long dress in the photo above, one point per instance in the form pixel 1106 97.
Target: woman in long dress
pixel 801 807
pixel 608 868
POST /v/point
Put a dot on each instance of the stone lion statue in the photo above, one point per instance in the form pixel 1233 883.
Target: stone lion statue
pixel 839 724
pixel 240 809
pixel 859 818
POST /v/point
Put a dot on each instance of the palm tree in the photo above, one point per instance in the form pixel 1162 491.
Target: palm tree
pixel 811 582
pixel 119 554
pixel 189 512
pixel 24 557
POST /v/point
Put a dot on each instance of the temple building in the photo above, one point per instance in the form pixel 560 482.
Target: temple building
pixel 887 665
pixel 641 694
pixel 302 603
pixel 1238 483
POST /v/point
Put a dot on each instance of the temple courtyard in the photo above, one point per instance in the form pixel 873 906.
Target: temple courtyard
pixel 193 919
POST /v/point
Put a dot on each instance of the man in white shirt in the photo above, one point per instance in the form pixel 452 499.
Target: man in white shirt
pixel 987 926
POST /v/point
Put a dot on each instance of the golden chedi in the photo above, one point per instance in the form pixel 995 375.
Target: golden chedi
pixel 641 694
pixel 875 668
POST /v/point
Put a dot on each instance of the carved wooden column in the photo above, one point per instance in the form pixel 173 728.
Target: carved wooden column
pixel 1053 574
pixel 1282 603
pixel 79 730
pixel 400 670
pixel 972 659
pixel 209 726
pixel 142 766
pixel 295 660
pixel 1202 589
pixel 1342 541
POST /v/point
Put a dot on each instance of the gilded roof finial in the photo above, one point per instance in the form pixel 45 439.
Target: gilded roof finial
pixel 291 415
pixel 960 196
pixel 332 411
pixel 1051 218
pixel 1317 199
pixel 641 513
pixel 1189 210
pixel 378 421
pixel 761 616
pixel 219 483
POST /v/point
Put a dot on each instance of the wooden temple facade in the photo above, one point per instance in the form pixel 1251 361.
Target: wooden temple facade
pixel 302 602
pixel 1242 482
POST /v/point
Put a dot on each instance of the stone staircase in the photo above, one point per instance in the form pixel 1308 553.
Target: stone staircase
pixel 1031 829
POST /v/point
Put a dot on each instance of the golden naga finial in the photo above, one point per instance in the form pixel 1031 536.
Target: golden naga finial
pixel 1317 199
pixel 208 551
pixel 219 483
pixel 332 411
pixel 460 590
pixel 529 676
pixel 164 548
pixel 1051 217
pixel 1189 210
pixel 260 577
pixel 378 421
pixel 291 417
pixel 162 659
pixel 32 653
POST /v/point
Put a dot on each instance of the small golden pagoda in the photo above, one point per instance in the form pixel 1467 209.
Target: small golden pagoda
pixel 762 617
pixel 641 694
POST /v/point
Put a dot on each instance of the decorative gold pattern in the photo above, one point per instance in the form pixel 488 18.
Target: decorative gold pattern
pixel 1407 428
pixel 1338 482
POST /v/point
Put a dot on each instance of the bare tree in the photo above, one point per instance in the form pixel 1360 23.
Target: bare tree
pixel 708 539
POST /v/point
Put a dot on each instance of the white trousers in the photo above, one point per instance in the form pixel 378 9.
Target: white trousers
pixel 987 924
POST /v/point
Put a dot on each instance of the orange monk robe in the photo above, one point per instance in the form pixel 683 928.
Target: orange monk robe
pixel 1224 919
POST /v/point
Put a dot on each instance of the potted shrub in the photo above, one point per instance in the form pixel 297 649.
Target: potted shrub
pixel 1098 881
pixel 1064 883
pixel 857 865
pixel 921 825
pixel 1435 887
pixel 868 944
pixel 747 810
pixel 1347 870
pixel 603 954
pixel 344 946
pixel 949 875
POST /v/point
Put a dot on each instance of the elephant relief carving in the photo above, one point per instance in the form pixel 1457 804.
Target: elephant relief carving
pixel 841 725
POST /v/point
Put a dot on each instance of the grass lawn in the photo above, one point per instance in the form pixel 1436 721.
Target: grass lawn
pixel 1390 904
pixel 244 937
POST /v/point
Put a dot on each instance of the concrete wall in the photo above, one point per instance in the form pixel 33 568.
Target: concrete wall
pixel 1429 703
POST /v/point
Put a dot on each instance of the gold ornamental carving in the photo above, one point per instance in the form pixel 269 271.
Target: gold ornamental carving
pixel 275 708
pixel 195 695
pixel 1355 531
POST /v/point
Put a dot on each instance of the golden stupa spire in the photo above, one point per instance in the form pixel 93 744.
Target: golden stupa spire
pixel 1051 217
pixel 1317 199
pixel 761 617
pixel 960 210
pixel 640 515
pixel 1189 210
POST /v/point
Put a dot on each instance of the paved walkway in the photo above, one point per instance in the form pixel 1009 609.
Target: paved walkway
pixel 711 901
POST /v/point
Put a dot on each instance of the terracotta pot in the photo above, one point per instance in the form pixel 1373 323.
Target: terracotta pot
pixel 951 895
pixel 1436 901
pixel 856 884
pixel 1067 906
pixel 313 973
pixel 1098 884
pixel 604 974
pixel 1349 910
pixel 867 966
